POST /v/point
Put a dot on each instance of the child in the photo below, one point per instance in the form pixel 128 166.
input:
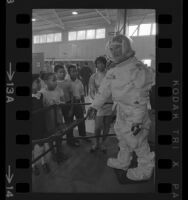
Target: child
pixel 65 86
pixel 78 97
pixel 38 123
pixel 104 115
pixel 53 96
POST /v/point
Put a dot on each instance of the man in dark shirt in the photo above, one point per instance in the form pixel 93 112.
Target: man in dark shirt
pixel 85 73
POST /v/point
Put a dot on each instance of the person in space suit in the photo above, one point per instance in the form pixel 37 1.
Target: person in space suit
pixel 129 83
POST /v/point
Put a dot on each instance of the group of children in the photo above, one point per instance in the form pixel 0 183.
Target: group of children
pixel 53 90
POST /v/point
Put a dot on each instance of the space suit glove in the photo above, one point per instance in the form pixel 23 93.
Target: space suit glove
pixel 37 95
pixel 91 113
pixel 136 128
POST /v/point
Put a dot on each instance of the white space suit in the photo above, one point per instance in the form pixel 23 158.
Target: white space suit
pixel 129 84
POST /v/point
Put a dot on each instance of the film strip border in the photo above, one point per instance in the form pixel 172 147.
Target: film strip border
pixel 18 106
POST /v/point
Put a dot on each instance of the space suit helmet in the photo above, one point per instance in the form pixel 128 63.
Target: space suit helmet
pixel 119 48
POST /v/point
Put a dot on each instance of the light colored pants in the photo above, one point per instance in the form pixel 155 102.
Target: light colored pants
pixel 102 124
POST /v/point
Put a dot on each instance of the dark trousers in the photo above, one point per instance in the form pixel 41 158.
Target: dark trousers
pixel 68 120
pixel 79 114
pixel 51 123
pixel 86 87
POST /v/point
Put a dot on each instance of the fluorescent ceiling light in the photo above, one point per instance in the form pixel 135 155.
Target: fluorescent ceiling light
pixel 74 12
pixel 34 20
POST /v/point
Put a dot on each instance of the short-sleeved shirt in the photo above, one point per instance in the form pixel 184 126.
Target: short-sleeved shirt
pixel 66 87
pixel 94 84
pixel 77 89
pixel 51 97
pixel 95 81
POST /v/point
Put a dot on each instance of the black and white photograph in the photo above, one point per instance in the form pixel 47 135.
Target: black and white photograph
pixel 93 100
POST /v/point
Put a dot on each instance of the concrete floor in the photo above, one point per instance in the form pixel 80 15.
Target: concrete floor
pixel 84 172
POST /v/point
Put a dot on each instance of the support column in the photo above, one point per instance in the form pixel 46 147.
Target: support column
pixel 120 26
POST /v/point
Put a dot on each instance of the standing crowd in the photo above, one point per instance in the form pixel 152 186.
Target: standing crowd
pixel 119 92
pixel 50 89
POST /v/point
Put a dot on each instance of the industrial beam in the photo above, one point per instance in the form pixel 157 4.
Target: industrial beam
pixel 83 20
pixel 104 17
pixel 44 27
pixel 125 22
pixel 80 15
pixel 121 21
pixel 49 21
pixel 58 18
pixel 107 14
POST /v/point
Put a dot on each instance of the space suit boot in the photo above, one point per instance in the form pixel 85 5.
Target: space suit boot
pixel 122 161
pixel 144 170
pixel 115 163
